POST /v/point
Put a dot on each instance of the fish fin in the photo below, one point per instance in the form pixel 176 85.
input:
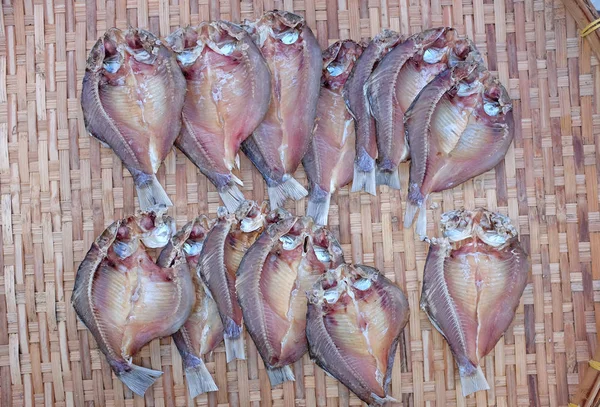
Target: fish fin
pixel 378 401
pixel 139 378
pixel 151 194
pixel 409 214
pixel 288 189
pixel 280 375
pixel 421 226
pixel 199 379
pixel 389 178
pixel 232 197
pixel 318 209
pixel 474 382
pixel 364 180
pixel 234 348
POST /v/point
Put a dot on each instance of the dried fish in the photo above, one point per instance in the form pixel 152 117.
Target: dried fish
pixel 278 144
pixel 126 300
pixel 132 97
pixel 330 157
pixel 223 250
pixel 395 84
pixel 472 284
pixel 228 95
pixel 355 318
pixel 203 331
pixel 273 277
pixel 460 126
pixel 358 104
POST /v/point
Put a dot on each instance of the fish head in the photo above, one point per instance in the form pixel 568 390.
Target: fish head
pixel 277 30
pixel 329 288
pixel 457 225
pixel 223 37
pixel 435 45
pixel 186 45
pixel 250 216
pixel 326 247
pixel 155 228
pixel 464 50
pixel 497 104
pixel 276 215
pixel 194 233
pixel 119 53
pixel 297 234
pixel 494 229
pixel 338 61
pixel 386 40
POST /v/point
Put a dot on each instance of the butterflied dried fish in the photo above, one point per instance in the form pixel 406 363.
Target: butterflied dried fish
pixel 126 300
pixel 460 126
pixel 223 249
pixel 473 280
pixel 203 330
pixel 395 84
pixel 330 157
pixel 355 318
pixel 272 280
pixel 281 140
pixel 228 94
pixel 358 104
pixel 132 97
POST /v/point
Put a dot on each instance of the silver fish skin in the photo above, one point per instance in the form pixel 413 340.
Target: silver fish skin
pixel 397 81
pixel 228 95
pixel 278 144
pixel 473 281
pixel 353 325
pixel 272 279
pixel 132 96
pixel 329 161
pixel 358 104
pixel 203 330
pixel 126 300
pixel 460 126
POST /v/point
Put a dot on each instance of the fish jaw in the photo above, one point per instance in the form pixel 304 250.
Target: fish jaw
pixel 358 104
pixel 294 57
pixel 355 317
pixel 126 300
pixel 131 97
pixel 228 94
pixel 473 280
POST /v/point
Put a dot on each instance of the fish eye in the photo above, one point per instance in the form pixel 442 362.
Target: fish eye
pixel 112 64
pixel 491 108
pixel 125 249
pixel 227 48
pixel 290 37
pixel 335 69
pixel 433 55
pixel 187 57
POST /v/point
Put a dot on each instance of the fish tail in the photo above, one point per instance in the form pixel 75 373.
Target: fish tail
pixel 234 348
pixel 389 178
pixel 291 188
pixel 231 196
pixel 473 382
pixel 409 214
pixel 364 180
pixel 421 226
pixel 151 194
pixel 280 375
pixel 198 377
pixel 138 378
pixel 318 208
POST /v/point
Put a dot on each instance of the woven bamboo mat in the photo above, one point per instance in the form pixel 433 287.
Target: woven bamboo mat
pixel 59 189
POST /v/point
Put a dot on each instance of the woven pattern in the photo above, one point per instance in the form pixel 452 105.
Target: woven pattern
pixel 60 189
